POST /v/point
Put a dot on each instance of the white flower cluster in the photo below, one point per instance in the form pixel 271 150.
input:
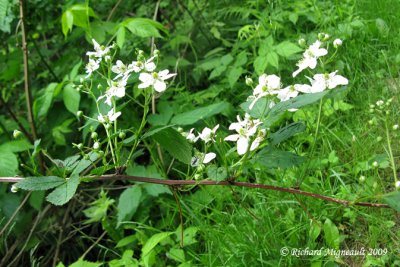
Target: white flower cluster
pixel 270 85
pixel 246 130
pixel 207 136
pixel 117 86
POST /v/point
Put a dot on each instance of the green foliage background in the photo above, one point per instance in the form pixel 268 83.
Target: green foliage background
pixel 212 45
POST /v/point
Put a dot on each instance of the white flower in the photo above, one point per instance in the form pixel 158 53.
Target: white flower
pixel 292 91
pixel 395 127
pixel 121 69
pixel 201 158
pixel 324 81
pixel 99 50
pixel 96 145
pixel 155 80
pixel 267 85
pixel 310 57
pixel 92 66
pixel 14 189
pixel 380 103
pixel 110 117
pixel 190 136
pixel 116 88
pixel 260 137
pixel 208 134
pixel 337 43
pixel 397 184
pixel 245 130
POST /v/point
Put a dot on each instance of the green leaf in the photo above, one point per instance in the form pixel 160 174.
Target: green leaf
pixel 128 203
pixel 393 200
pixel 191 117
pixel 71 98
pixel 154 130
pixel 216 174
pixel 260 108
pixel 63 193
pixel 84 163
pixel 173 142
pixel 126 241
pixel 331 234
pixel 287 49
pixel 272 59
pixel 121 37
pixel 241 59
pixel 40 183
pixel 67 20
pixel 143 27
pixel 260 64
pixel 127 260
pixel 153 241
pixel 286 132
pixel 8 164
pixel 83 263
pixel 234 75
pixel 42 104
pixel 274 158
pixel 16 146
pixel 176 254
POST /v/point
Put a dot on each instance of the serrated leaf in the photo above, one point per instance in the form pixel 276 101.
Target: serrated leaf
pixel 216 174
pixel 272 59
pixel 191 117
pixel 40 183
pixel 63 193
pixel 8 164
pixel 84 163
pixel 331 234
pixel 143 27
pixel 42 104
pixel 67 20
pixel 173 142
pixel 260 64
pixel 154 130
pixel 286 132
pixel 287 49
pixel 126 241
pixel 128 203
pixel 234 75
pixel 393 200
pixel 121 37
pixel 274 158
pixel 71 98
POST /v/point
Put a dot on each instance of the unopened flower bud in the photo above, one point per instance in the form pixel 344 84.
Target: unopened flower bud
pixel 379 138
pixel 79 146
pixel 94 135
pixel 14 189
pixel 86 157
pixel 379 103
pixel 79 113
pixel 337 43
pixel 362 179
pixel 81 80
pixel 197 176
pixel 397 184
pixel 326 37
pixel 375 164
pixel 17 134
pixel 99 86
pixel 249 81
pixel 122 135
pixel 156 53
pixel 372 106
pixel 371 110
pixel 107 126
pixel 101 153
pixel 321 36
pixel 96 145
pixel 370 122
pixel 201 168
pixel 301 42
pixel 387 112
pixel 395 127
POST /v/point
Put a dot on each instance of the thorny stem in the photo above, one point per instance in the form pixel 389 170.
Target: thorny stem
pixel 221 183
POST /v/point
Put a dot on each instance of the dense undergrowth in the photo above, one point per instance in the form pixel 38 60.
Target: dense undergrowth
pixel 345 145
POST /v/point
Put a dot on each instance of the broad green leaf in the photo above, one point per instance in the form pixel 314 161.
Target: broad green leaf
pixel 234 75
pixel 63 193
pixel 71 98
pixel 154 130
pixel 193 116
pixel 287 49
pixel 260 108
pixel 216 174
pixel 8 164
pixel 331 234
pixel 127 260
pixel 189 235
pixel 83 263
pixel 260 64
pixel 153 241
pixel 274 158
pixel 314 231
pixel 272 59
pixel 40 183
pixel 74 71
pixel 393 200
pixel 286 132
pixel 241 59
pixel 128 203
pixel 16 146
pixel 67 20
pixel 121 37
pixel 143 27
pixel 176 254
pixel 173 142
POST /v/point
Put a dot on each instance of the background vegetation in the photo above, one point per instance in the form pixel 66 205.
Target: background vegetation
pixel 212 45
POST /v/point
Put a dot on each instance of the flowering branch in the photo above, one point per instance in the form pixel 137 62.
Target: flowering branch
pixel 171 182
